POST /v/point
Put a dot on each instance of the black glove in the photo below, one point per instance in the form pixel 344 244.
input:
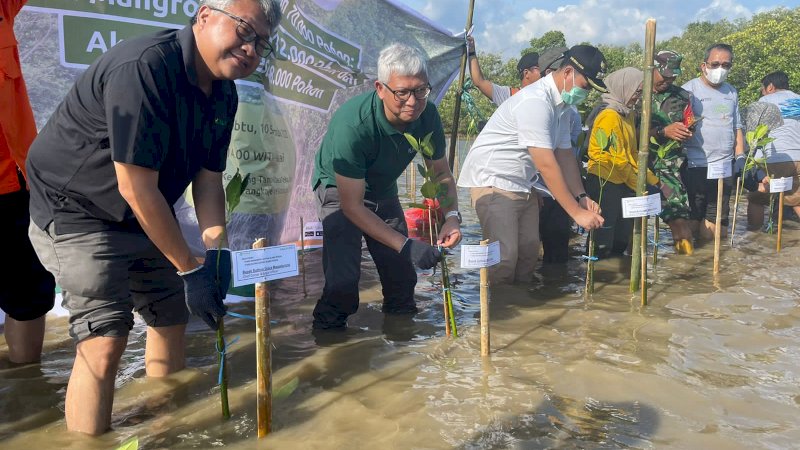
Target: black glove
pixel 202 296
pixel 420 253
pixel 738 165
pixel 221 269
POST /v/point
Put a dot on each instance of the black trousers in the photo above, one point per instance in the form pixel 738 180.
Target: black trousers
pixel 554 232
pixel 615 234
pixel 341 261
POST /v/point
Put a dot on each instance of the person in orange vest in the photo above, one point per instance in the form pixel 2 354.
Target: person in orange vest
pixel 25 304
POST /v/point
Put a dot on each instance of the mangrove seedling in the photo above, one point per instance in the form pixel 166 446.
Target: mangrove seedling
pixel 436 193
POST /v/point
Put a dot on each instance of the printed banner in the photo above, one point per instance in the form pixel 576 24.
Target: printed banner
pixel 326 52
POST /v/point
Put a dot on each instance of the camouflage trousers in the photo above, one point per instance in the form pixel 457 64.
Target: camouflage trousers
pixel 676 206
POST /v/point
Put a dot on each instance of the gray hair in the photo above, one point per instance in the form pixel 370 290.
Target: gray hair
pixel 401 60
pixel 270 8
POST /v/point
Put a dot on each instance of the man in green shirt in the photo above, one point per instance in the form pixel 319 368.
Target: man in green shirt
pixel 355 180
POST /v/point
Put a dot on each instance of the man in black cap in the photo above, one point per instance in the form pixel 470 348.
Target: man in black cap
pixel 671 121
pixel 554 223
pixel 527 69
pixel 527 137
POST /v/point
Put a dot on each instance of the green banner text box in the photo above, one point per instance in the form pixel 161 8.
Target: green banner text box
pixel 85 39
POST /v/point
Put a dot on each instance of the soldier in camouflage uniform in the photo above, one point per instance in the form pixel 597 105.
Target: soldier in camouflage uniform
pixel 671 120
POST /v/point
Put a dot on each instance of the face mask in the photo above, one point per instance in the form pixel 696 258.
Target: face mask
pixel 576 95
pixel 718 75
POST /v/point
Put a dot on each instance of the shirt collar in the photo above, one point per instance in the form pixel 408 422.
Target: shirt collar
pixel 555 92
pixel 188 45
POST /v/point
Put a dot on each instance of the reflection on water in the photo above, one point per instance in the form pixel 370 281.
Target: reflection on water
pixel 705 365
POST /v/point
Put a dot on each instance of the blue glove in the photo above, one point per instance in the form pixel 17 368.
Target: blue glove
pixel 423 255
pixel 738 165
pixel 202 296
pixel 221 270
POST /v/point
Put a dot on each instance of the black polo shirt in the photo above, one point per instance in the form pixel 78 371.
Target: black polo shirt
pixel 139 104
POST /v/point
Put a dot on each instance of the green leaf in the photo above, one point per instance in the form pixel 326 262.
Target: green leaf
pixel 130 444
pixel 426 146
pixel 422 171
pixel 287 389
pixel 601 138
pixel 429 189
pixel 412 140
pixel 235 189
pixel 417 205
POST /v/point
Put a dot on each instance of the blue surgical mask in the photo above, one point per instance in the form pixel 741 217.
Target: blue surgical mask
pixel 576 95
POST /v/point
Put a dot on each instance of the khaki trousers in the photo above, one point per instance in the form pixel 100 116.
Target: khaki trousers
pixel 512 218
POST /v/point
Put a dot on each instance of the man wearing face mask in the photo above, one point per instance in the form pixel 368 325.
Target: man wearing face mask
pixel 671 115
pixel 529 135
pixel 717 138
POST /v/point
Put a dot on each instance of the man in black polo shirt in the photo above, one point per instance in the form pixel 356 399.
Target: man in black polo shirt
pixel 355 179
pixel 150 116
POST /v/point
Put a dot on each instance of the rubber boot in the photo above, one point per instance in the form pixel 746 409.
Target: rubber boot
pixel 684 247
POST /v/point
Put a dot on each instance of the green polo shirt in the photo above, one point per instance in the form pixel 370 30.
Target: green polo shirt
pixel 361 143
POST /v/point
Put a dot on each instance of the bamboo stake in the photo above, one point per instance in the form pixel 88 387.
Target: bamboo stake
pixel 639 233
pixel 735 208
pixel 643 249
pixel 656 237
pixel 263 355
pixel 303 254
pixel 718 226
pixel 447 330
pixel 485 331
pixel 780 219
pixel 413 182
pixel 457 107
pixel 223 385
pixel 589 288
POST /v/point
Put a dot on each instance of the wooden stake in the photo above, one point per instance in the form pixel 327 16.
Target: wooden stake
pixel 780 219
pixel 735 208
pixel 459 91
pixel 639 233
pixel 485 334
pixel 263 355
pixel 413 182
pixel 303 254
pixel 656 237
pixel 643 249
pixel 718 226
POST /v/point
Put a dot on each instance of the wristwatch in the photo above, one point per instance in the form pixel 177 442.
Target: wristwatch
pixel 455 214
pixel 580 196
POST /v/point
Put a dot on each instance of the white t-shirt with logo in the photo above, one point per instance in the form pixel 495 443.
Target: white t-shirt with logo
pixel 714 136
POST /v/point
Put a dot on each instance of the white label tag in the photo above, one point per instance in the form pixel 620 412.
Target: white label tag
pixel 780 184
pixel 264 264
pixel 312 235
pixel 478 256
pixel 719 169
pixel 646 205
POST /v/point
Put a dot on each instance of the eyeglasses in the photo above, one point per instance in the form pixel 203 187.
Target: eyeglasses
pixel 247 34
pixel 715 64
pixel 402 95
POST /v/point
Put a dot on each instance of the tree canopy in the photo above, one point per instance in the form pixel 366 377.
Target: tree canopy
pixel 762 44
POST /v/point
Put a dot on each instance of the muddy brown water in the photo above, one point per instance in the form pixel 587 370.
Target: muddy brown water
pixel 710 362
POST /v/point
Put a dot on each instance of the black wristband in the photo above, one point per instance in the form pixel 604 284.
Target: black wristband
pixel 580 196
pixel 470 53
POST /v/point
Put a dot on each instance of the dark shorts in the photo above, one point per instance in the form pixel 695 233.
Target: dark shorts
pixel 28 290
pixel 106 276
pixel 702 194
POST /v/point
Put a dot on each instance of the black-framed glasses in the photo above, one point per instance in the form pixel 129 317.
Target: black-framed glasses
pixel 716 64
pixel 248 34
pixel 402 95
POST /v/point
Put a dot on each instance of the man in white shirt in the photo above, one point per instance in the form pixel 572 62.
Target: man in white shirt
pixel 529 135
pixel 717 139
